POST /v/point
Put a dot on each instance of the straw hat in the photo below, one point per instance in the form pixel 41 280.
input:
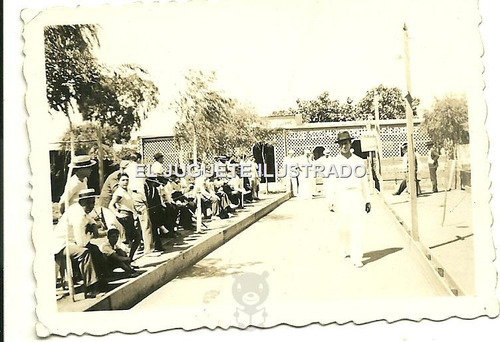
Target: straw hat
pixel 82 161
pixel 87 193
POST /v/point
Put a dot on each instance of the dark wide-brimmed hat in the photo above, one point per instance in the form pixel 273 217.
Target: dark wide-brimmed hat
pixel 87 193
pixel 343 136
pixel 82 161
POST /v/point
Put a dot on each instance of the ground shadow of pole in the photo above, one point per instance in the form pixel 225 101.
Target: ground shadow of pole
pixel 379 254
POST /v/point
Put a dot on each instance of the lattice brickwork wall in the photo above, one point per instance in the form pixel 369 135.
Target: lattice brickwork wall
pixel 165 145
pixel 392 137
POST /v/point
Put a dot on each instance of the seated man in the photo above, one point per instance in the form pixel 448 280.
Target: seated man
pixel 184 199
pixel 209 200
pixel 235 187
pixel 406 166
pixel 225 207
pixel 115 254
pixel 77 224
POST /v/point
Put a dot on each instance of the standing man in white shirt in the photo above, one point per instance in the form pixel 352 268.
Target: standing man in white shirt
pixel 136 185
pixel 291 181
pixel 326 161
pixel 351 199
pixel 157 166
pixel 305 175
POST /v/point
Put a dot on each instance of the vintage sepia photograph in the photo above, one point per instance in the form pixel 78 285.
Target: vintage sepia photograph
pixel 245 164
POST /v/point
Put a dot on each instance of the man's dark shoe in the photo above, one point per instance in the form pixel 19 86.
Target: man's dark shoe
pixel 90 294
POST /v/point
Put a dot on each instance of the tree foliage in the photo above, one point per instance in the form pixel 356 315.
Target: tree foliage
pixel 119 96
pixel 70 66
pixel 325 109
pixel 391 104
pixel 122 98
pixel 85 137
pixel 447 122
pixel 221 124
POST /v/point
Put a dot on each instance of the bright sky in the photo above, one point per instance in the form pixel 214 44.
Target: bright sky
pixel 269 53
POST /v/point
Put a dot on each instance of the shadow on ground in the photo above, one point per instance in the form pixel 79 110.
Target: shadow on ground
pixel 379 254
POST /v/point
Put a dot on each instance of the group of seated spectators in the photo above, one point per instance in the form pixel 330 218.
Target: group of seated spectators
pixel 137 212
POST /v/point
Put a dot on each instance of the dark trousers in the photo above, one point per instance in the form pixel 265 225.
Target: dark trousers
pixel 402 186
pixel 132 233
pixel 433 176
pixel 98 260
pixel 83 256
pixel 186 215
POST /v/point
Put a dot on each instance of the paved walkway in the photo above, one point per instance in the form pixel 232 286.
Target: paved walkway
pixel 450 240
pixel 296 245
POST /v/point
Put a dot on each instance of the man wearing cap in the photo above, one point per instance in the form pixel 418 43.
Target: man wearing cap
pixel 79 226
pixel 432 161
pixel 351 199
pixel 82 168
pixel 111 184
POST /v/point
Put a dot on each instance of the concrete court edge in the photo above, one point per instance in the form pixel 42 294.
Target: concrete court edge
pixel 131 293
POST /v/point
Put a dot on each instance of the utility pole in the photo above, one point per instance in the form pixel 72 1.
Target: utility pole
pixel 412 184
pixel 376 98
pixel 198 194
pixel 101 157
pixel 69 265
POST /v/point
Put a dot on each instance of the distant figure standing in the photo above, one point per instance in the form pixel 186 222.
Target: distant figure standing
pixel 157 166
pixel 305 175
pixel 290 181
pixel 123 206
pixel 82 168
pixel 351 198
pixel 111 184
pixel 326 161
pixel 137 186
pixel 432 161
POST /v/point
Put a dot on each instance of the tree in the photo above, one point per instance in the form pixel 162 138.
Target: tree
pixel 391 104
pixel 85 136
pixel 325 109
pixel 220 125
pixel 119 96
pixel 320 109
pixel 69 63
pixel 447 122
pixel 244 129
pixel 282 112
pixel 202 111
